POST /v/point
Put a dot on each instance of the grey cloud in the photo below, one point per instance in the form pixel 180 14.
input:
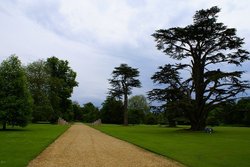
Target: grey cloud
pixel 95 36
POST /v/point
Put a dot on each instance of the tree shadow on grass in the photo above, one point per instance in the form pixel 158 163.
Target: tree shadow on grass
pixel 187 130
pixel 14 129
pixel 181 129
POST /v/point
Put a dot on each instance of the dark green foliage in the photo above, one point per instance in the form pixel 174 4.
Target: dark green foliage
pixel 243 109
pixel 246 119
pixel 151 118
pixel 61 84
pixel 90 113
pixel 214 117
pixel 237 113
pixel 231 112
pixel 203 44
pixel 15 99
pixel 38 80
pixel 111 111
pixel 78 111
pixel 122 82
pixel 228 115
pixel 42 113
pixel 174 100
pixel 135 116
pixel 177 112
pixel 51 84
pixel 67 113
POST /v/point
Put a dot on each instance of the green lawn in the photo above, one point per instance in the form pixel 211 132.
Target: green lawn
pixel 20 145
pixel 227 147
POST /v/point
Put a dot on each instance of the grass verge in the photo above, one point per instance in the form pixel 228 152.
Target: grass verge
pixel 20 145
pixel 227 147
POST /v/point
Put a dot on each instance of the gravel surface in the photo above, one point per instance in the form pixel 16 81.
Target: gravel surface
pixel 83 146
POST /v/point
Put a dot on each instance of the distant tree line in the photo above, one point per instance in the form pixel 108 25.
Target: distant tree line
pixel 189 92
pixel 231 112
pixel 111 111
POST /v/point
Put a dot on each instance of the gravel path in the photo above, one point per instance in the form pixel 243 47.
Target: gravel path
pixel 82 146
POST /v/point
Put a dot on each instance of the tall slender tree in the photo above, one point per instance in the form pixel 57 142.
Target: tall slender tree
pixel 124 78
pixel 15 99
pixel 203 45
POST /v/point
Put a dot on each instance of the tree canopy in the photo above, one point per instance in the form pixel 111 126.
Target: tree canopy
pixel 138 108
pixel 112 111
pixel 15 99
pixel 203 45
pixel 62 80
pixel 90 112
pixel 40 91
pixel 138 102
pixel 51 84
pixel 38 80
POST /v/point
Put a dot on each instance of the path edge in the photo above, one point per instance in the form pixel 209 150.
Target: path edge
pixel 35 156
pixel 140 147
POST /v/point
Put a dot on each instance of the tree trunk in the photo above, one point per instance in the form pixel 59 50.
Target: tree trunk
pixel 125 109
pixel 4 125
pixel 198 121
pixel 198 125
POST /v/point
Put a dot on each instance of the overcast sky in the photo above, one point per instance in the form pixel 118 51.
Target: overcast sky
pixel 97 35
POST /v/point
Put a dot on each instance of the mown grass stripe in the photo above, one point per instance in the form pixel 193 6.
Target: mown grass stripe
pixel 227 147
